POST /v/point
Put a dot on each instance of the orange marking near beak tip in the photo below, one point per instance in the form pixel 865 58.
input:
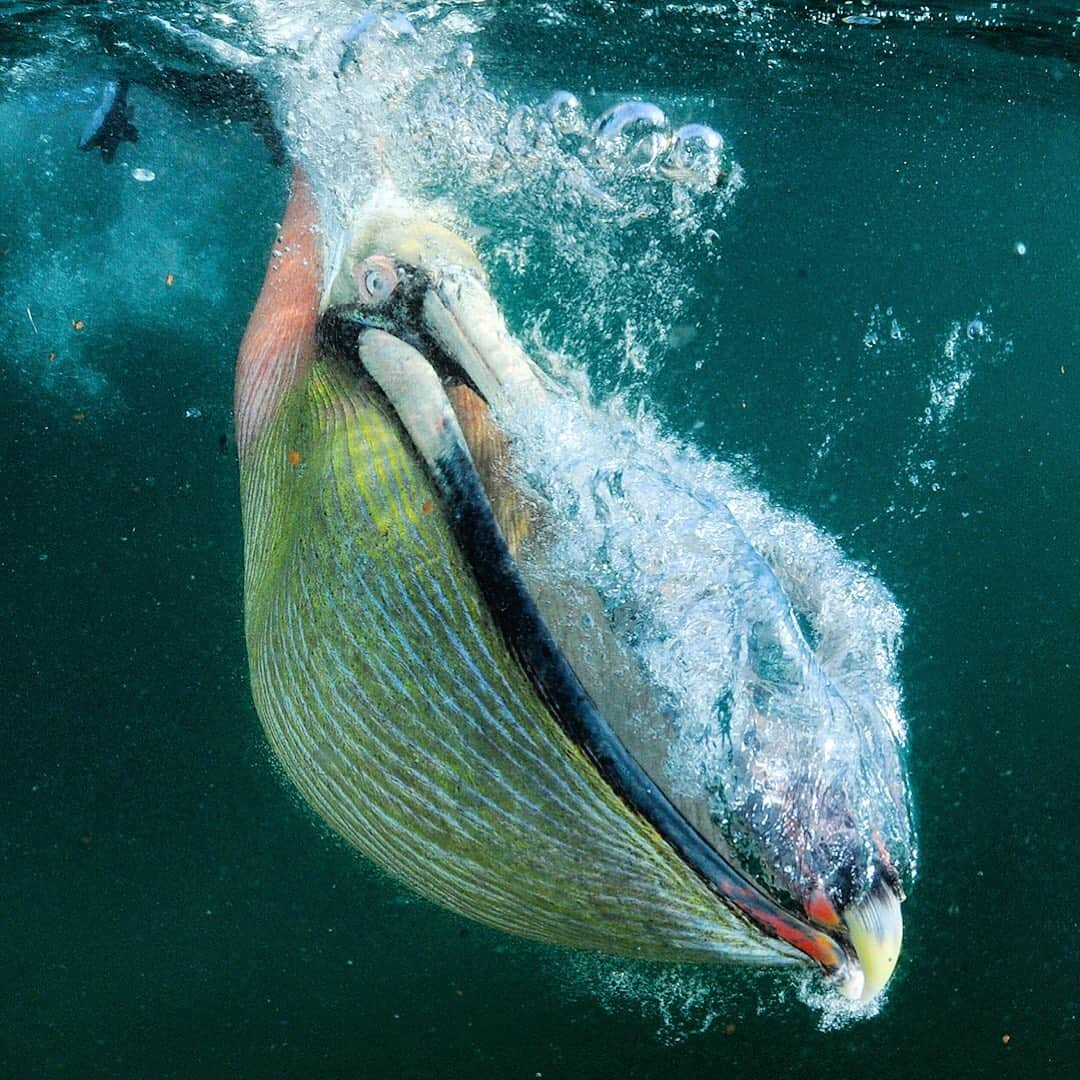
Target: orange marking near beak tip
pixel 427 507
pixel 821 910
pixel 294 457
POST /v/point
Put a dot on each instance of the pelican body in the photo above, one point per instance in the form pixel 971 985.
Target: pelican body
pixel 406 680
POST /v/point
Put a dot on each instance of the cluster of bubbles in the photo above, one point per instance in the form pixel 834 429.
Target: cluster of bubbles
pixel 774 654
pixel 620 199
pixel 631 137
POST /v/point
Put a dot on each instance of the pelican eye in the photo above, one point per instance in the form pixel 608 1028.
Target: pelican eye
pixel 376 285
pixel 376 279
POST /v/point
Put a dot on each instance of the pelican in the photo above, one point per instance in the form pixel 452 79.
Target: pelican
pixel 420 679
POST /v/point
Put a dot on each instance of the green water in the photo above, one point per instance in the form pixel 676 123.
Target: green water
pixel 168 906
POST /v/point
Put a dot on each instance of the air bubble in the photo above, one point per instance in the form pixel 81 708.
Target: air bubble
pixel 565 113
pixel 694 156
pixel 628 114
pixel 633 130
pixel 401 26
pixel 522 130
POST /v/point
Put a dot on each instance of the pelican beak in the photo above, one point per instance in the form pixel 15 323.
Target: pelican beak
pixel 459 313
pixel 876 930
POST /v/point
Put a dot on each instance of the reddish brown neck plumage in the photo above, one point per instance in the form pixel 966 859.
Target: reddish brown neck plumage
pixel 279 342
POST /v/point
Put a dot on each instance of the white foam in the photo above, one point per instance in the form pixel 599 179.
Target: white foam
pixel 708 580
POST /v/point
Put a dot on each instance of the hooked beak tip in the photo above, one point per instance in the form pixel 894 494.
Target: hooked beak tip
pixel 875 926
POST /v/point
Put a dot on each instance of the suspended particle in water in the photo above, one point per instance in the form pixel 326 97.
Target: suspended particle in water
pixel 862 20
pixel 1020 247
pixel 144 176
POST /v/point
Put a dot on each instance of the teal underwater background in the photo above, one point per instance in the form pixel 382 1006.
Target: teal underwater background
pixel 886 337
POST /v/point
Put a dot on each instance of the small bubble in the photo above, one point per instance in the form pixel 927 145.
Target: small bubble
pixel 1020 247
